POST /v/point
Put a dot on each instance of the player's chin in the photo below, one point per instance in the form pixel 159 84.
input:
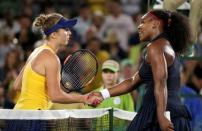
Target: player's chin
pixel 142 39
pixel 66 42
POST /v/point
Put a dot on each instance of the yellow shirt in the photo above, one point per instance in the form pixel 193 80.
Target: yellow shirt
pixel 34 91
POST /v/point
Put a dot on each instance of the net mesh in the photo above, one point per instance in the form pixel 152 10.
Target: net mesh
pixel 65 120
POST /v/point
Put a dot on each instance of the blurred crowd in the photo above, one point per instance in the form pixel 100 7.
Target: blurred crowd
pixel 108 28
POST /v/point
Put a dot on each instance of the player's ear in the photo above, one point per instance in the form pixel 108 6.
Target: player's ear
pixel 156 24
pixel 53 35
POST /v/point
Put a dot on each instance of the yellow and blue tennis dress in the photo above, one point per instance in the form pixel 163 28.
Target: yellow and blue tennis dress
pixel 34 91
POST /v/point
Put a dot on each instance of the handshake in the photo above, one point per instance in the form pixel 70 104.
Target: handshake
pixel 93 99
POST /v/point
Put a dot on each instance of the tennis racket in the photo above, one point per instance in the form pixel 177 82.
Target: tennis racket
pixel 78 70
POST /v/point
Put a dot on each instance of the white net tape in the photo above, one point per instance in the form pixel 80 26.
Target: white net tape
pixel 61 114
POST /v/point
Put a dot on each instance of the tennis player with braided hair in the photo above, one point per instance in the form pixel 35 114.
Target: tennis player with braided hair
pixel 169 34
pixel 39 80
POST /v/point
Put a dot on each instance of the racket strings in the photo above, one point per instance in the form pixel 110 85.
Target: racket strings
pixel 84 77
pixel 79 70
pixel 68 75
pixel 71 77
pixel 89 70
pixel 88 73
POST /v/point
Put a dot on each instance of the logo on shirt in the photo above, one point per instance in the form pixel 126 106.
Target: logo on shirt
pixel 117 100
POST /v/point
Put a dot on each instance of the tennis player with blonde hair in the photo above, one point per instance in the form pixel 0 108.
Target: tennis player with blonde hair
pixel 39 80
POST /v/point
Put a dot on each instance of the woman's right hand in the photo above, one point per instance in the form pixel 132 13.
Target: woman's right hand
pixel 165 124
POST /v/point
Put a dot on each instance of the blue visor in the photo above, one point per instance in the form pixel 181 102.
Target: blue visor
pixel 62 23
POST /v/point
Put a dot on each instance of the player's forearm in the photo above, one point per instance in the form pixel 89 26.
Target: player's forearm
pixel 126 86
pixel 160 93
pixel 64 98
pixel 75 98
pixel 122 88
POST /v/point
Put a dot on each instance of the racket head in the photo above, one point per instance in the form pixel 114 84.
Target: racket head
pixel 78 70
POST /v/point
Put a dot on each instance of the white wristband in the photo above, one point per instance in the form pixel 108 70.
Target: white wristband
pixel 105 93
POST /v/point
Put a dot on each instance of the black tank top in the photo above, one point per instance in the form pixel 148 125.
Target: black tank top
pixel 174 104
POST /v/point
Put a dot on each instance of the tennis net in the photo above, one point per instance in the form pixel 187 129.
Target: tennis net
pixel 106 119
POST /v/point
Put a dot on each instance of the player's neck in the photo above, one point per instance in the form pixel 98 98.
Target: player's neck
pixel 156 34
pixel 53 46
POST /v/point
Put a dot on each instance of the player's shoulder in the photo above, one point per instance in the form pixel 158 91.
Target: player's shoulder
pixel 47 52
pixel 157 46
pixel 48 56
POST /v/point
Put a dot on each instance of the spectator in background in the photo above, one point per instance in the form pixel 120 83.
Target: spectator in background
pixel 5 103
pixel 98 5
pixel 197 81
pixel 189 67
pixel 97 22
pixel 11 67
pixel 197 77
pixel 25 37
pixel 134 41
pixel 9 24
pixel 84 21
pixel 131 7
pixel 98 19
pixel 110 77
pixel 119 23
pixel 64 51
pixel 5 47
pixel 74 46
pixel 49 7
pixel 190 98
pixel 94 45
pixel 111 44
pixel 127 71
pixel 10 71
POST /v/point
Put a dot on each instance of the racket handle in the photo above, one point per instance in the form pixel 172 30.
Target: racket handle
pixel 105 93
